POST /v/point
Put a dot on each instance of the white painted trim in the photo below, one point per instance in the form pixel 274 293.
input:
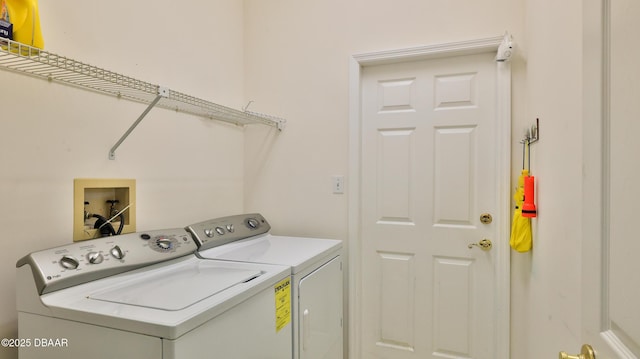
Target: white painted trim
pixel 596 143
pixel 619 348
pixel 503 251
pixel 353 242
pixel 593 147
pixel 503 220
pixel 429 52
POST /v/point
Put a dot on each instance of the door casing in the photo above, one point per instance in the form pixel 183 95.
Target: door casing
pixel 502 248
pixel 596 186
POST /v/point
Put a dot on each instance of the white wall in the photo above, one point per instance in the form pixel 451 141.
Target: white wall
pixel 297 56
pixel 297 64
pixel 546 305
pixel 187 169
pixel 291 57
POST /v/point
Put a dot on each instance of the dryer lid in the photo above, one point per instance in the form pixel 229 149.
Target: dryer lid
pixel 296 252
pixel 173 289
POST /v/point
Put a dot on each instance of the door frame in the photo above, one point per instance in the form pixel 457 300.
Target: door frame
pixel 596 142
pixel 503 170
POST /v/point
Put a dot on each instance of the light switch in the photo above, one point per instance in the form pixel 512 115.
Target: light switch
pixel 338 184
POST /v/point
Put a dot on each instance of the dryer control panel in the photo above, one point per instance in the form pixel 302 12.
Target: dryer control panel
pixel 81 262
pixel 219 231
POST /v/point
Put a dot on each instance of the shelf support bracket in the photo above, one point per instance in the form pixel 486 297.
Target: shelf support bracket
pixel 162 92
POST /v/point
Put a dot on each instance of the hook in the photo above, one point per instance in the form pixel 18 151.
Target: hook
pixel 532 134
pixel 535 132
pixel 523 154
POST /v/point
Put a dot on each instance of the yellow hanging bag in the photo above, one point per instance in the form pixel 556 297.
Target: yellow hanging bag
pixel 521 236
pixel 25 17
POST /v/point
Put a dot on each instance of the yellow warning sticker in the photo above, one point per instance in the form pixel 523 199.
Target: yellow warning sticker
pixel 283 303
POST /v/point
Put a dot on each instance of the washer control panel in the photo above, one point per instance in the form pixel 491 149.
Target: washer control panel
pixel 219 231
pixel 81 262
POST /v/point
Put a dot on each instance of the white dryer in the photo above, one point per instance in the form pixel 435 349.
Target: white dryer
pixel 316 275
pixel 146 295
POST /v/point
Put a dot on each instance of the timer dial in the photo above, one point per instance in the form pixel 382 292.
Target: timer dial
pixel 164 243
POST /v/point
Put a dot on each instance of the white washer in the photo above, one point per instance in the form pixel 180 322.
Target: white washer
pixel 146 295
pixel 316 272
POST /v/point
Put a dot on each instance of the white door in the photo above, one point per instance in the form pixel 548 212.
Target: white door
pixel 611 281
pixel 428 174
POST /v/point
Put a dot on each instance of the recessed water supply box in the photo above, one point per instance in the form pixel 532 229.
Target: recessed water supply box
pixel 103 200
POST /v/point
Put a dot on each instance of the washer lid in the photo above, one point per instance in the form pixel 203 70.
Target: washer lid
pixel 175 290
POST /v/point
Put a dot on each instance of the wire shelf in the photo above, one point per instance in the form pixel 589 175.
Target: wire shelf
pixel 25 59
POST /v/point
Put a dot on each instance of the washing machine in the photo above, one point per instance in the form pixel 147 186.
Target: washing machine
pixel 146 295
pixel 316 275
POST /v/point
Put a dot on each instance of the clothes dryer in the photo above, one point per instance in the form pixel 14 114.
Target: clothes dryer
pixel 316 275
pixel 146 295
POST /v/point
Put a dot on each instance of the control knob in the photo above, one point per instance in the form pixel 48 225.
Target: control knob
pixel 164 243
pixel 117 252
pixel 253 223
pixel 220 230
pixel 95 257
pixel 208 232
pixel 69 262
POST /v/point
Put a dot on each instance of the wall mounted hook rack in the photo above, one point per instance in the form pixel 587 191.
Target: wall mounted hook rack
pixel 533 134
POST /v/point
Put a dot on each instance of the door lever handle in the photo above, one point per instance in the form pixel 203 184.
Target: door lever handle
pixel 484 244
pixel 587 352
